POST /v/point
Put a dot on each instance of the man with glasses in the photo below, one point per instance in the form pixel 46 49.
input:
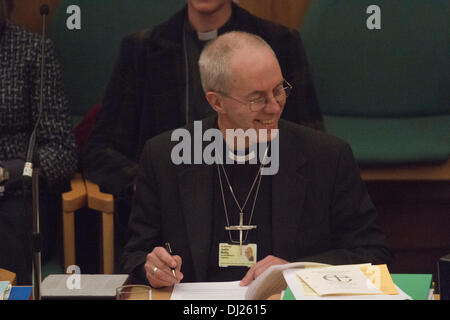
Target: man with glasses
pixel 155 86
pixel 314 208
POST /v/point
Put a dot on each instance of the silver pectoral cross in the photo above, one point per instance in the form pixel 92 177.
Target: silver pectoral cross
pixel 241 227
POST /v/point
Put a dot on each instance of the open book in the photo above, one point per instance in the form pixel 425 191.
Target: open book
pixel 270 282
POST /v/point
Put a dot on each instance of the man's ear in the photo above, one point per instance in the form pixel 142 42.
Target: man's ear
pixel 215 101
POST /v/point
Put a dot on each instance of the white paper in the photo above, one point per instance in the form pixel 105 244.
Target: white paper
pixel 230 290
pixel 5 288
pixel 332 281
pixel 297 288
pixel 271 281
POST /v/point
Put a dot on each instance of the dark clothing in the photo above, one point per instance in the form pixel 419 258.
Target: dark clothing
pixel 19 101
pixel 320 209
pixel 15 237
pixel 20 62
pixel 146 94
pixel 198 107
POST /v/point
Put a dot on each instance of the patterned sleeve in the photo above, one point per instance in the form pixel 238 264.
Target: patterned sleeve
pixel 55 140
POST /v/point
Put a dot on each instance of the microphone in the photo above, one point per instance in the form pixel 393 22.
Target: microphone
pixel 30 175
pixel 28 168
pixel 44 10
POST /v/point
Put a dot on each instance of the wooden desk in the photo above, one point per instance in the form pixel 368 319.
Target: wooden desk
pixel 409 172
pixel 164 294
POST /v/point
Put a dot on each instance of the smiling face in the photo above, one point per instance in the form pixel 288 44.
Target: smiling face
pixel 255 73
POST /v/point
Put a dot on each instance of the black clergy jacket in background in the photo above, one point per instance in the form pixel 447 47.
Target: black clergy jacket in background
pixel 321 211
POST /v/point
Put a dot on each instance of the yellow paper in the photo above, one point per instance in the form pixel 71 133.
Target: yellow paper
pixel 307 290
pixel 380 277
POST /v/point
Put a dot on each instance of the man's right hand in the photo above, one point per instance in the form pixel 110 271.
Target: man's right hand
pixel 157 268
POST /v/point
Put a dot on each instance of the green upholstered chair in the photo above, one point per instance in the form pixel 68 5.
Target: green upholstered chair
pixel 87 55
pixel 87 58
pixel 386 91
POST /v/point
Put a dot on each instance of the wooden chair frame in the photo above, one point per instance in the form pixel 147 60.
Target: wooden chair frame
pixel 85 192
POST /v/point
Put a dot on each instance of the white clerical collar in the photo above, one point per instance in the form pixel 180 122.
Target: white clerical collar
pixel 241 158
pixel 206 36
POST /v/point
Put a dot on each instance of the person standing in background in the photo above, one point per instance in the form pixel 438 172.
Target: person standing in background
pixel 20 64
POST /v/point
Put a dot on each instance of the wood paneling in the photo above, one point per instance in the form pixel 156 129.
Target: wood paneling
pixel 415 217
pixel 26 13
pixel 287 12
pixel 413 172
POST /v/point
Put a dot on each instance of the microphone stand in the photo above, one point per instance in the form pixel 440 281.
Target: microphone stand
pixel 37 238
pixel 33 173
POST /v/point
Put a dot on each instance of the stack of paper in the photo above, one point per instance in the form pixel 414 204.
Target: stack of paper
pixel 5 289
pixel 230 290
pixel 306 281
pixel 270 282
pixel 360 282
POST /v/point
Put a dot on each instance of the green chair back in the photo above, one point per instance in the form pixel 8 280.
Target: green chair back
pixel 87 55
pixel 385 91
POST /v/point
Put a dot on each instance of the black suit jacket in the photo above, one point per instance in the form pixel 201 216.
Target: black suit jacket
pixel 321 210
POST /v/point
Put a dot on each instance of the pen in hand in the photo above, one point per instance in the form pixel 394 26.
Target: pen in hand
pixel 169 250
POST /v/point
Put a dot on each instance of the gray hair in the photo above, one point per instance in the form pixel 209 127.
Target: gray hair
pixel 6 8
pixel 214 62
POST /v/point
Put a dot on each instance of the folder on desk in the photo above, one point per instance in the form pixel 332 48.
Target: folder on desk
pixel 416 285
pixel 288 295
pixel 21 293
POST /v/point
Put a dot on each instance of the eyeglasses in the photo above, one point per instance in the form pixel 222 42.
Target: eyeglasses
pixel 280 93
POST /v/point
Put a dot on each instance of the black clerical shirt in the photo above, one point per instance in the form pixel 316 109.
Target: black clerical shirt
pixel 241 177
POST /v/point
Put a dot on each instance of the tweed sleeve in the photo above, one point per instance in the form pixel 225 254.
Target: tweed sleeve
pixel 55 141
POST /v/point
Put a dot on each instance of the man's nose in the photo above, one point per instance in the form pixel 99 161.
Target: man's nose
pixel 272 105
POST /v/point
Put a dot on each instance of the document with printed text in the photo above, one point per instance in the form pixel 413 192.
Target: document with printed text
pixel 335 283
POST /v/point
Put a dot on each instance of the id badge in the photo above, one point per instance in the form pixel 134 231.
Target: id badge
pixel 232 255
